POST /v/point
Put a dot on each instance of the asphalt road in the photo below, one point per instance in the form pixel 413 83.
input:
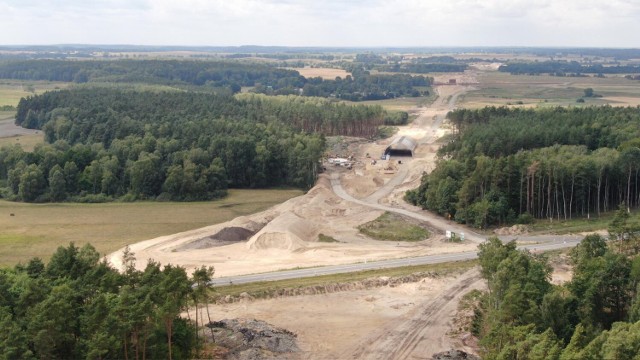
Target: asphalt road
pixel 383 264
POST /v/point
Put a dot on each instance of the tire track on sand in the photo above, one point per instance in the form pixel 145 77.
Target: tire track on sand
pixel 421 333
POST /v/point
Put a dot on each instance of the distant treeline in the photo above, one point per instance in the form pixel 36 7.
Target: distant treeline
pixel 398 63
pixel 281 56
pixel 110 143
pixel 211 73
pixel 506 165
pixel 562 68
pixel 424 68
pixel 364 86
pixel 230 75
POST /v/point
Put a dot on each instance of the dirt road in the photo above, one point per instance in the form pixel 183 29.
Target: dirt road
pixel 421 333
pixel 426 129
pixel 433 220
pixel 377 323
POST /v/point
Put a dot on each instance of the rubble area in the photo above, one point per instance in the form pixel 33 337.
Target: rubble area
pixel 250 339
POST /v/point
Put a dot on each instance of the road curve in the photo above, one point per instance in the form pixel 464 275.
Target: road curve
pixel 433 221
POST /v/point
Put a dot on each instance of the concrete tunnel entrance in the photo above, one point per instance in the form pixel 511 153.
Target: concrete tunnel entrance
pixel 402 146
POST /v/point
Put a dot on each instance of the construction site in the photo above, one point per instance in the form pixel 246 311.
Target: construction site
pixel 356 181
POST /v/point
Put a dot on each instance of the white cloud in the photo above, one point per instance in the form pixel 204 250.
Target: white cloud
pixel 323 23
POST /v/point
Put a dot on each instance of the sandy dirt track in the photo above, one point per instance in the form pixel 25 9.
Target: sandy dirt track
pixel 407 321
pixel 422 331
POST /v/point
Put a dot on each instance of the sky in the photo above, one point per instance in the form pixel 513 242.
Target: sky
pixel 335 23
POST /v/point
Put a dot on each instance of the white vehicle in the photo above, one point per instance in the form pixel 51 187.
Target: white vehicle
pixel 339 161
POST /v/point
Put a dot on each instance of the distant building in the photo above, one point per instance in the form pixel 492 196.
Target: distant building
pixel 452 81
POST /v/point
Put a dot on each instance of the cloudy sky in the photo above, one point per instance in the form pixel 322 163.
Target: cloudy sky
pixel 597 23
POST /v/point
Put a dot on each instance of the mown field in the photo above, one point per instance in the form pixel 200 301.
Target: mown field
pixel 580 224
pixel 498 89
pixel 38 229
pixel 27 142
pixel 12 135
pixel 400 104
pixel 11 91
pixel 325 73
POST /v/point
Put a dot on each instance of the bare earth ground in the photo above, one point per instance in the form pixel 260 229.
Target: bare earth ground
pixel 407 321
pixel 325 73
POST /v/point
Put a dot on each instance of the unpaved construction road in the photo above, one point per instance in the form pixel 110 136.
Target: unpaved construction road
pixel 422 332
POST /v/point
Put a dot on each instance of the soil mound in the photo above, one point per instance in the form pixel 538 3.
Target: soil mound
pixel 286 232
pixel 226 236
pixel 513 230
pixel 254 339
pixel 454 355
pixel 233 234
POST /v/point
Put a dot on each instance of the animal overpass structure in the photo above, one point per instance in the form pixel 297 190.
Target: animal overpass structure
pixel 401 146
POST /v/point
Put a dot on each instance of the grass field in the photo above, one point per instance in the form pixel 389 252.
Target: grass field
pixel 11 91
pixel 402 104
pixel 580 224
pixel 498 88
pixel 393 227
pixel 7 115
pixel 27 142
pixel 325 73
pixel 38 229
pixel 11 134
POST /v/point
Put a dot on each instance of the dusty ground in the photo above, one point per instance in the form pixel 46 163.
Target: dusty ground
pixel 325 73
pixel 407 321
pixel 286 236
pixel 562 269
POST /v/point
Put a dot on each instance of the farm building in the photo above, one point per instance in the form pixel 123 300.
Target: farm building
pixel 401 146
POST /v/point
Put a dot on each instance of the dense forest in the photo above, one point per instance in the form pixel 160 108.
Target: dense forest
pixel 423 65
pixel 365 86
pixel 511 165
pixel 596 315
pixel 231 76
pixel 562 68
pixel 79 307
pixel 108 143
pixel 210 73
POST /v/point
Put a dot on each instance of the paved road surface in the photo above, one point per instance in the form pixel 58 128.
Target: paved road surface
pixel 383 264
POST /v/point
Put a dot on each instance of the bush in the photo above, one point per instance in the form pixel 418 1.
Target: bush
pixel 396 118
pixel 524 219
pixel 326 239
pixel 91 198
pixel 129 197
